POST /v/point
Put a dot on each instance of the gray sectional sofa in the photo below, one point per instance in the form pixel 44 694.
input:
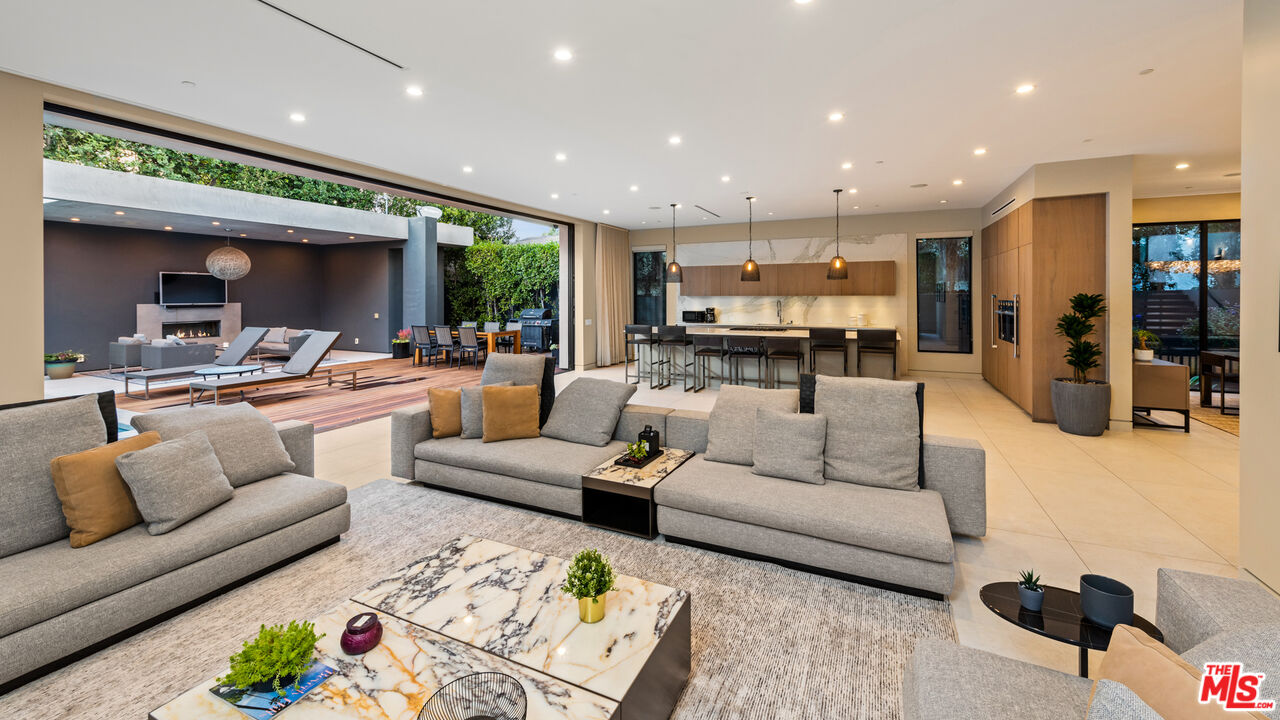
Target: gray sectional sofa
pixel 895 538
pixel 58 602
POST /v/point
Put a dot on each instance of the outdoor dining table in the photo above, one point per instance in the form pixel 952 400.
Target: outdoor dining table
pixel 489 337
pixel 1221 361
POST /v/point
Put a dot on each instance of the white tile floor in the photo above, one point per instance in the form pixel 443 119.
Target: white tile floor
pixel 1123 504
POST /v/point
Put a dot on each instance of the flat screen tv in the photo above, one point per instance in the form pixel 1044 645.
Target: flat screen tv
pixel 192 288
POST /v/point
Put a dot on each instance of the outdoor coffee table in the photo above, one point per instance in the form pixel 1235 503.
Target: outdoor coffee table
pixel 478 605
pixel 1060 618
pixel 620 498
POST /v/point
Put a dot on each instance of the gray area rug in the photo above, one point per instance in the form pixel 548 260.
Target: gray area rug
pixel 768 642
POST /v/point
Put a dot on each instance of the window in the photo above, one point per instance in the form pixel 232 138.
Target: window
pixel 649 281
pixel 944 294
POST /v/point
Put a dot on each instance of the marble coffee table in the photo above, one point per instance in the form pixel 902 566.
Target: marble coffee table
pixel 478 605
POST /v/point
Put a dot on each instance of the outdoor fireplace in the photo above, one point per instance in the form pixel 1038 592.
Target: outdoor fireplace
pixel 192 329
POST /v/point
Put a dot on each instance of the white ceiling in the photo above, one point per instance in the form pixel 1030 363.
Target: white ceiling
pixel 747 84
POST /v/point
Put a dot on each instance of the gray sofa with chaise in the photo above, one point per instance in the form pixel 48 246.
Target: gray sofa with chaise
pixel 900 539
pixel 1204 618
pixel 59 603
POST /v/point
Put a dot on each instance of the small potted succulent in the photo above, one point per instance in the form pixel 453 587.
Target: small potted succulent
pixel 275 659
pixel 590 577
pixel 62 365
pixel 1030 591
pixel 1147 343
pixel 400 344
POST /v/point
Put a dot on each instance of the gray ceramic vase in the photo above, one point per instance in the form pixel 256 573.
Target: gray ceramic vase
pixel 1081 409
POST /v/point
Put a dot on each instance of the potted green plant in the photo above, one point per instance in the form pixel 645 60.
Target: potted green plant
pixel 1147 342
pixel 590 577
pixel 275 659
pixel 400 344
pixel 62 365
pixel 555 353
pixel 1030 591
pixel 1081 406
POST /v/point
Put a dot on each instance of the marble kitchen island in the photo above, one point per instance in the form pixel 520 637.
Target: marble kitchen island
pixel 827 363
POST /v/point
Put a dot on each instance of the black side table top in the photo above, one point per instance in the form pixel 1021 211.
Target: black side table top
pixel 1060 617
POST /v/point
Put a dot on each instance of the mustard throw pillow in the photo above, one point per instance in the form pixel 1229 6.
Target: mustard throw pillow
pixel 446 412
pixel 95 499
pixel 510 412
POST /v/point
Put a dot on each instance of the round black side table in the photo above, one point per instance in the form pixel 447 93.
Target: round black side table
pixel 1059 619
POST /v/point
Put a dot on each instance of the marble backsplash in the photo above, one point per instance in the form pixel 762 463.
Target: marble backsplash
pixel 880 311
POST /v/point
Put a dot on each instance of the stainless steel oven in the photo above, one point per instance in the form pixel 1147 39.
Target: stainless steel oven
pixel 1005 321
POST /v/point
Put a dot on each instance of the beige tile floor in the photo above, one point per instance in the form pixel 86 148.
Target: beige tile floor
pixel 1123 504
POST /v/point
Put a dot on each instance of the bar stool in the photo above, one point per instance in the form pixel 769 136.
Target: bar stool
pixel 705 347
pixel 743 347
pixel 671 337
pixel 637 337
pixel 778 349
pixel 828 340
pixel 878 342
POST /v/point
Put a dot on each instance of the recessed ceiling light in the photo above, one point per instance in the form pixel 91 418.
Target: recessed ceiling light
pixel 188 83
pixel 215 222
pixel 674 140
pixel 852 190
pixel 855 207
pixel 289 230
pixel 704 217
pixel 166 227
pixel 413 91
pixel 606 211
pixel 1146 71
pixel 75 219
pixel 561 157
pixel 979 151
pixel 351 237
pixel 725 178
pixel 467 169
pixel 555 196
pixel 297 117
pixel 305 240
pixel 635 188
pixel 563 54
pixel 119 212
pixel 243 235
pixel 846 165
pixel 957 182
pixel 835 116
pixel 803 2
pixel 1024 89
pixel 770 213
pixel 1182 166
pixel 944 202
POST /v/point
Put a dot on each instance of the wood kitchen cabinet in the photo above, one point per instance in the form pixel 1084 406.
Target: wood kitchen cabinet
pixel 870 277
pixel 1039 255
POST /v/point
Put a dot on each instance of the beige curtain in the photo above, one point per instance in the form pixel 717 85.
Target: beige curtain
pixel 614 302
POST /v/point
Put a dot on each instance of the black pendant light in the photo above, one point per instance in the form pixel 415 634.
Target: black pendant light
pixel 750 269
pixel 837 269
pixel 675 273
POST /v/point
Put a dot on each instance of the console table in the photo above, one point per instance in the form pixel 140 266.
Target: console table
pixel 620 498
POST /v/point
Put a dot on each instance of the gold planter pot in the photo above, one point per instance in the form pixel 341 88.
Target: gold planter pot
pixel 591 610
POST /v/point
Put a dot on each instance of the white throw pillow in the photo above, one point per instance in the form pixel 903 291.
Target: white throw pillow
pixel 275 335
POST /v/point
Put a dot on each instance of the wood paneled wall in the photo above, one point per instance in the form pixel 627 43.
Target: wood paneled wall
pixel 791 279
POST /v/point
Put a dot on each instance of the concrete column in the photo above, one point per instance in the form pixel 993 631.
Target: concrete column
pixel 423 280
pixel 22 272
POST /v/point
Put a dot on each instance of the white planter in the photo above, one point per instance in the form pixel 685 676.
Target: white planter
pixel 1143 355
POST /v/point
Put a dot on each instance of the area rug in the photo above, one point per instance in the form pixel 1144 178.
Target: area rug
pixel 1212 416
pixel 768 642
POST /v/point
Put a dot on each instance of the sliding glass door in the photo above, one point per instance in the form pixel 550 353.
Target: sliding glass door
pixel 944 305
pixel 649 281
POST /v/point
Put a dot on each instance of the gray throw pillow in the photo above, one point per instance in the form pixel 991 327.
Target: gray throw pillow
pixel 731 429
pixel 873 431
pixel 30 438
pixel 514 368
pixel 789 445
pixel 246 443
pixel 1115 701
pixel 174 481
pixel 473 409
pixel 586 412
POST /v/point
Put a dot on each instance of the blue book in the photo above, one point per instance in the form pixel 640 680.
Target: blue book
pixel 267 704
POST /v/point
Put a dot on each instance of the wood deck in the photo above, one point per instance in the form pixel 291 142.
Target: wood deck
pixel 385 385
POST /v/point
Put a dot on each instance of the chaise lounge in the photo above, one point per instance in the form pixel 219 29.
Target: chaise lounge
pixel 302 366
pixel 234 355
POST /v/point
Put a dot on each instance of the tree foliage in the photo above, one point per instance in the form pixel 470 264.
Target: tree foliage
pixel 493 282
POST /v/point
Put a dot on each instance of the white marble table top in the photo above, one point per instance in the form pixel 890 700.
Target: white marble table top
pixel 507 601
pixel 645 477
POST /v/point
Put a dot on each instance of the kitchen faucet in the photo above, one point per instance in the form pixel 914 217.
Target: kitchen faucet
pixel 779 312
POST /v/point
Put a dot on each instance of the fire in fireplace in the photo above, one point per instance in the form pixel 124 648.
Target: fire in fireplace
pixel 196 329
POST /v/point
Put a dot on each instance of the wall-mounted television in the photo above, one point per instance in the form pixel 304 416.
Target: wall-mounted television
pixel 192 288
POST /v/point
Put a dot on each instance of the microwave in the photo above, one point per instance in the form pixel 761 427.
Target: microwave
pixel 699 316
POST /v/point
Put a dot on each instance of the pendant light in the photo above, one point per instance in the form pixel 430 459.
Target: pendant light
pixel 750 269
pixel 675 273
pixel 228 263
pixel 837 269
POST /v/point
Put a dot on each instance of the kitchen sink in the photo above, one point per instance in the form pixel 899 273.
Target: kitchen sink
pixel 760 329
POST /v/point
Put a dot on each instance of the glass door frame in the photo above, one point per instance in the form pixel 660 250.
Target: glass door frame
pixel 1202 275
pixel 662 266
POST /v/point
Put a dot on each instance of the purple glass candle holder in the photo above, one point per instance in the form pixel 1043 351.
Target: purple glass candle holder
pixel 363 633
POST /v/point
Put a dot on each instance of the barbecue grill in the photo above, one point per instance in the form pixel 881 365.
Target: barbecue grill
pixel 538 329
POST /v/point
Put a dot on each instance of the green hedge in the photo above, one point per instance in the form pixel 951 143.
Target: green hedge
pixel 494 282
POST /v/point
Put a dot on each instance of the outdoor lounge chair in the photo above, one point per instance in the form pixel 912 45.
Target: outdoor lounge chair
pixel 301 367
pixel 234 355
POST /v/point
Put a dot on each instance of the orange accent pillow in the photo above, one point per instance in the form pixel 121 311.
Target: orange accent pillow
pixel 1165 682
pixel 509 412
pixel 95 499
pixel 446 412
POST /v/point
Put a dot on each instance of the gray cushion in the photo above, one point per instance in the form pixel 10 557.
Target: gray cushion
pixel 789 445
pixel 587 411
pixel 1192 607
pixel 1115 701
pixel 30 438
pixel 731 429
pixel 634 417
pixel 540 459
pixel 518 369
pixel 687 430
pixel 1256 647
pixel 473 409
pixel 910 524
pixel 174 481
pixel 56 578
pixel 873 431
pixel 245 441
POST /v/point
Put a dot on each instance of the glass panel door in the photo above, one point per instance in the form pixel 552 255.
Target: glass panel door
pixel 1222 286
pixel 944 314
pixel 1166 288
pixel 649 281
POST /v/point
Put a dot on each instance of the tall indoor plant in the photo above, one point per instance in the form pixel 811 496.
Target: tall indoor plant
pixel 1080 405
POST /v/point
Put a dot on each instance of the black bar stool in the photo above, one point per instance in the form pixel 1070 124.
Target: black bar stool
pixel 671 337
pixel 878 342
pixel 779 349
pixel 637 337
pixel 705 347
pixel 743 347
pixel 828 340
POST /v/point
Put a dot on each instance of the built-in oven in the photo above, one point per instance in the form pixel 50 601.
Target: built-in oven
pixel 1005 321
pixel 693 316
